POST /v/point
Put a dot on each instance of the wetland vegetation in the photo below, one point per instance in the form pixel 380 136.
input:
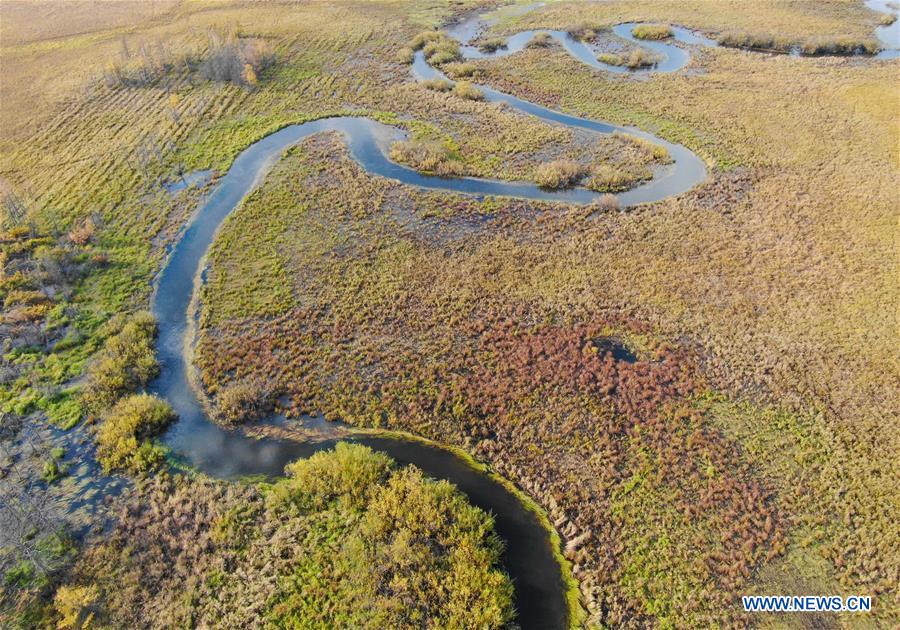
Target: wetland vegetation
pixel 697 397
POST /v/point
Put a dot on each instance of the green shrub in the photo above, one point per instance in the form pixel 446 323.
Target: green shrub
pixel 123 439
pixel 350 473
pixel 755 41
pixel 558 174
pixel 466 90
pixel 611 59
pixel 443 56
pixel 839 46
pixel 441 51
pixel 126 362
pixel 53 471
pixel 831 45
pixel 652 31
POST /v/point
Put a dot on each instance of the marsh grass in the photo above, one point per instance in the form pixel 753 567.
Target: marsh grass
pixel 406 55
pixel 652 31
pixel 558 174
pixel 817 45
pixel 437 47
pixel 607 178
pixel 243 401
pixel 540 40
pixel 582 31
pixel 656 151
pixel 426 156
pixel 437 85
pixel 635 59
pixel 491 45
pixel 460 69
pixel 465 90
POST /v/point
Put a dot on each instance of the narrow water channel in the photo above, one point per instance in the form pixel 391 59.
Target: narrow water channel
pixel 528 558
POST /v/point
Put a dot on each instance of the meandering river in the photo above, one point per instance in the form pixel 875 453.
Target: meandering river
pixel 529 557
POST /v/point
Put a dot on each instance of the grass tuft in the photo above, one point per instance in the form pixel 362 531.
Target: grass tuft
pixel 464 89
pixel 492 45
pixel 540 40
pixel 637 58
pixel 438 85
pixel 652 31
pixel 558 174
pixel 426 156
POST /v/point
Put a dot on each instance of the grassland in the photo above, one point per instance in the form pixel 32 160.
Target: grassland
pixel 751 445
pixel 742 272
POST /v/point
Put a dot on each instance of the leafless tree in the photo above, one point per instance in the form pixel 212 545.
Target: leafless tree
pixel 26 516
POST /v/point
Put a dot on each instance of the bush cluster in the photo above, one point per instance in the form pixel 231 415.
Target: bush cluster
pixel 244 400
pixel 438 85
pixel 819 45
pixel 464 89
pixel 123 439
pixel 437 47
pixel 460 69
pixel 657 152
pixel 491 45
pixel 347 540
pixel 126 362
pixel 607 178
pixel 558 174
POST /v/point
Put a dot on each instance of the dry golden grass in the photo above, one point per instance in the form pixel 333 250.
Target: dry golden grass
pixel 792 20
pixel 27 21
